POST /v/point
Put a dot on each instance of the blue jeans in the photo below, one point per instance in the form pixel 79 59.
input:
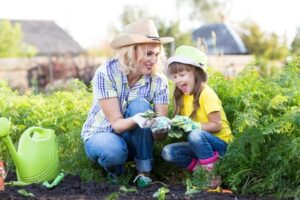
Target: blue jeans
pixel 112 150
pixel 200 145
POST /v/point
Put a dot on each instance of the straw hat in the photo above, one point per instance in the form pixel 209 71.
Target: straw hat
pixel 142 31
pixel 189 55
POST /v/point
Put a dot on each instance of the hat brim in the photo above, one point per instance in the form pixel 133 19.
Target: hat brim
pixel 131 39
pixel 184 60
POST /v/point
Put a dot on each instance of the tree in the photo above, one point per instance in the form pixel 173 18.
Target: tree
pixel 11 41
pixel 268 49
pixel 263 45
pixel 132 13
pixel 173 29
pixel 208 11
pixel 295 46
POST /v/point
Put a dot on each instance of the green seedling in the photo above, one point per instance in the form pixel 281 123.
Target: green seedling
pixel 25 193
pixel 160 194
pixel 190 189
pixel 127 190
pixel 112 196
pixel 150 114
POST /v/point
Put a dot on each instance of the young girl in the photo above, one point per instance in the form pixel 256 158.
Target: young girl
pixel 198 106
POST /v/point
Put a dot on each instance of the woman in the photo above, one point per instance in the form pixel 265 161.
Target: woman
pixel 125 87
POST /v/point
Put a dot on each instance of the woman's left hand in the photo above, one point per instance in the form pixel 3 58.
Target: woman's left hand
pixel 160 127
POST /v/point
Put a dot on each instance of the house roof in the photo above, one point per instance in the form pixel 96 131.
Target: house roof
pixel 48 38
pixel 228 41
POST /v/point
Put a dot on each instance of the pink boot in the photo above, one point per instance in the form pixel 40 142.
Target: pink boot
pixel 208 165
pixel 193 165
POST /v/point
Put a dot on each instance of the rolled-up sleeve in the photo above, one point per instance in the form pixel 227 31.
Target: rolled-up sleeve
pixel 161 95
pixel 102 86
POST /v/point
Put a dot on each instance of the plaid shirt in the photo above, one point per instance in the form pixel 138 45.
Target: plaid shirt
pixel 109 81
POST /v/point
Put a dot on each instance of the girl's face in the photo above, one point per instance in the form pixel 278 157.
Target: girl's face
pixel 184 80
pixel 147 56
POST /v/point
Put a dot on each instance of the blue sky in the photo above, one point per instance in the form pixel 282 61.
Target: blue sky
pixel 88 21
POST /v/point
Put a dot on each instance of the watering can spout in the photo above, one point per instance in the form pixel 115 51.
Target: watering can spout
pixel 5 127
pixel 4 135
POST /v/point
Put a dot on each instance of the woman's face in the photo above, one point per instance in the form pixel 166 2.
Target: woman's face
pixel 147 57
pixel 184 80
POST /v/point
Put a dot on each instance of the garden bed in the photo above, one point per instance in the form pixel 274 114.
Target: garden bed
pixel 72 187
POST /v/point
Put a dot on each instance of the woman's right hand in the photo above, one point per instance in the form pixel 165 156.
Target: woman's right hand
pixel 142 121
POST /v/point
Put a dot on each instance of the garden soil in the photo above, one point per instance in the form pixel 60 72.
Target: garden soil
pixel 72 187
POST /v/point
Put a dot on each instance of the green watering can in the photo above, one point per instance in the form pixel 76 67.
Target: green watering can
pixel 37 157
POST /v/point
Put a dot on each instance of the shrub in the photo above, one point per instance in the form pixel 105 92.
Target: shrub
pixel 264 113
pixel 265 118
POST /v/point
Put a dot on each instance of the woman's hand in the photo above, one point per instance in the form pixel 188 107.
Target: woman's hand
pixel 142 121
pixel 160 127
pixel 161 124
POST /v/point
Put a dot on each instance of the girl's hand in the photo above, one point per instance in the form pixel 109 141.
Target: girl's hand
pixel 185 123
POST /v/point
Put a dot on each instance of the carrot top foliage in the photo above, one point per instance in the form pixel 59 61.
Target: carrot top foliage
pixel 264 113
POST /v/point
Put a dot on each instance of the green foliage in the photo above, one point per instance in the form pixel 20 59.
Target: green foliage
pixel 11 41
pixel 265 116
pixel 264 113
pixel 25 193
pixel 295 46
pixel 200 179
pixel 132 13
pixel 173 29
pixel 190 188
pixel 160 194
pixel 125 190
pixel 112 196
pixel 262 45
pixel 62 111
pixel 206 11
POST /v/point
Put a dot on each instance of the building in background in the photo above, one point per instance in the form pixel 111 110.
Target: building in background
pixel 59 57
pixel 224 47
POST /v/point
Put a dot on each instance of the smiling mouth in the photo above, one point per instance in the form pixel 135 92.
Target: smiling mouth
pixel 184 88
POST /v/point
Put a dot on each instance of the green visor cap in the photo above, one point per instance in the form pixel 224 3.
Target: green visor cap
pixel 189 55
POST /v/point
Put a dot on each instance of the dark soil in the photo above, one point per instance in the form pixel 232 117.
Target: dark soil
pixel 72 187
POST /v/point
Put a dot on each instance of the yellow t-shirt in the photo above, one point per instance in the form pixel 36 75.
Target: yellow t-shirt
pixel 209 102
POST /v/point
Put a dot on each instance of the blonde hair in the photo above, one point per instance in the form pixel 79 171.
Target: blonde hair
pixel 128 60
pixel 200 77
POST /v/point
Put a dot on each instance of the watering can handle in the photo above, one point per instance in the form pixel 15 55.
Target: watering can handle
pixel 42 132
pixel 55 182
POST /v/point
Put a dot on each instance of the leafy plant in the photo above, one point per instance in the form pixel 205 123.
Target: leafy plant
pixel 263 111
pixel 112 196
pixel 264 114
pixel 160 194
pixel 190 189
pixel 124 189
